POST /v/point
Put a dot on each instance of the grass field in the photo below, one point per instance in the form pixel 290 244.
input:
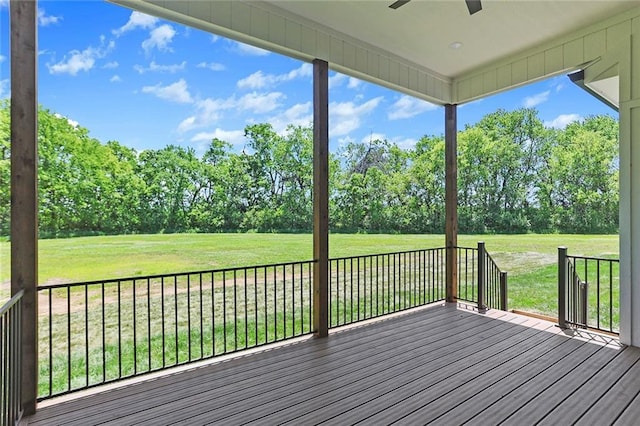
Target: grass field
pixel 529 259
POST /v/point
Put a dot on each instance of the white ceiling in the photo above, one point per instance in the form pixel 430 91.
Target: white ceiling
pixel 421 31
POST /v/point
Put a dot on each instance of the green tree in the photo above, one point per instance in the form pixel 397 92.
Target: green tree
pixel 174 180
pixel 500 159
pixel 584 174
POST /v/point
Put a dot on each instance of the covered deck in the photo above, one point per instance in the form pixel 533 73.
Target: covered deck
pixel 440 364
pixel 444 363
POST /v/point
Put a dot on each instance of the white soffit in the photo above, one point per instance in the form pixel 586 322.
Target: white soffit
pixel 608 88
pixel 422 31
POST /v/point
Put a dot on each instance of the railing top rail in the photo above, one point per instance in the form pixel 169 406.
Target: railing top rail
pixel 11 302
pixel 175 274
pixel 491 258
pixel 466 248
pixel 605 259
pixel 385 254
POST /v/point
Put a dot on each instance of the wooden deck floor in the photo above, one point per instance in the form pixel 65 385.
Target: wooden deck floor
pixel 441 365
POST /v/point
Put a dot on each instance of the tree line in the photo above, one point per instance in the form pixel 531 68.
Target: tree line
pixel 514 175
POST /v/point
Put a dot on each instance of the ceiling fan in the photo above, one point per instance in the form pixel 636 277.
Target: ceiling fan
pixel 473 5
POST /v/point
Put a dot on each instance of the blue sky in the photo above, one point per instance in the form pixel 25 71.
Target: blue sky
pixel 148 83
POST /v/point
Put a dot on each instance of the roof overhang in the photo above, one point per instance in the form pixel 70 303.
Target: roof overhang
pixel 606 90
pixel 412 49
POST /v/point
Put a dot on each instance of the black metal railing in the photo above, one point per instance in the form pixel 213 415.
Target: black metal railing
pixel 10 360
pixel 480 280
pixel 364 287
pixel 588 292
pixel 97 332
pixel 102 331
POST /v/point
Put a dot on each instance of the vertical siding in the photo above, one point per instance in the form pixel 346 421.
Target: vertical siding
pixel 546 60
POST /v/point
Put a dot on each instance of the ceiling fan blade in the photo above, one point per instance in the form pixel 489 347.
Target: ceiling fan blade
pixel 473 6
pixel 398 3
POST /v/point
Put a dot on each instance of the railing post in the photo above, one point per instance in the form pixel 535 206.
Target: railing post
pixel 584 292
pixel 562 286
pixel 503 291
pixel 482 275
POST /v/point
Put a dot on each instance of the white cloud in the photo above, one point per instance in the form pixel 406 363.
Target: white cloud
pixel 407 107
pixel 115 79
pixel 73 123
pixel 404 143
pixel 344 117
pixel 234 137
pixel 561 121
pixel 304 70
pixel 45 20
pixel 176 92
pixel 159 38
pixel 111 65
pixel 213 66
pixel 248 50
pixel 297 115
pixel 260 103
pixel 153 67
pixel 336 80
pixel 259 80
pixel 4 88
pixel 4 3
pixel 2 58
pixel 209 111
pixel 214 38
pixel 353 83
pixel 532 101
pixel 188 124
pixel 76 62
pixel 372 137
pixel 136 20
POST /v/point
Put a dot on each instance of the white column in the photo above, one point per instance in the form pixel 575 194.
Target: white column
pixel 629 69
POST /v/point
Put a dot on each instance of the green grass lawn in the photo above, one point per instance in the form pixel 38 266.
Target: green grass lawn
pixel 529 259
pixel 88 258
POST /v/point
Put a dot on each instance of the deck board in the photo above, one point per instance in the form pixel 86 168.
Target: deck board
pixel 576 401
pixel 440 364
pixel 612 403
pixel 382 374
pixel 506 379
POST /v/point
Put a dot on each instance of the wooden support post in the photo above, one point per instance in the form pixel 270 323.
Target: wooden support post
pixel 562 287
pixel 451 200
pixel 24 208
pixel 321 197
pixel 482 275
